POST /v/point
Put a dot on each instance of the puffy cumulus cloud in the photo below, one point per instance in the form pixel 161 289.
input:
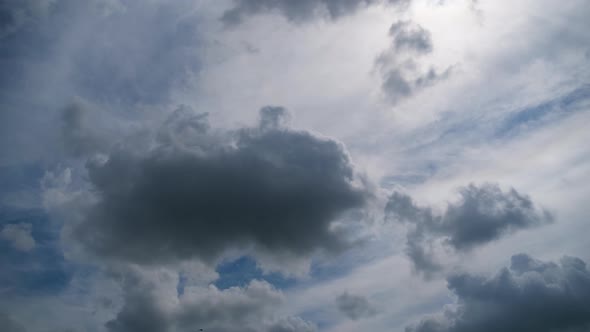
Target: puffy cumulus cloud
pixel 483 213
pixel 355 306
pixel 19 236
pixel 197 192
pixel 529 296
pixel 299 11
pixel 401 74
pixel 150 303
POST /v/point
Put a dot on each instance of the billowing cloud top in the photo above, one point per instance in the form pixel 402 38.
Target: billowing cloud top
pixel 199 192
pixel 529 296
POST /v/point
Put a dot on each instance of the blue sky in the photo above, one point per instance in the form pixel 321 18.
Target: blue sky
pixel 294 166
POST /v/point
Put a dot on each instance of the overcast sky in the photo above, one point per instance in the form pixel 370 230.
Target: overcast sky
pixel 294 165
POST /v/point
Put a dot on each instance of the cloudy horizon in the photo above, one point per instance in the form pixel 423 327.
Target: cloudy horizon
pixel 294 165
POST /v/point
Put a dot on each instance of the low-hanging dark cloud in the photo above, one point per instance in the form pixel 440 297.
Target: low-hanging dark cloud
pixel 301 10
pixel 483 214
pixel 201 191
pixel 530 296
pixel 355 306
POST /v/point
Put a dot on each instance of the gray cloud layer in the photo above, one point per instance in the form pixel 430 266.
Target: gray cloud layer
pixel 483 214
pixel 200 192
pixel 300 10
pixel 355 306
pixel 531 296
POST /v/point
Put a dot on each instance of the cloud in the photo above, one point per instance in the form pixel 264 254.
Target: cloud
pixel 146 299
pixel 79 134
pixel 483 214
pixel 149 306
pixel 234 309
pixel 299 11
pixel 398 84
pixel 401 75
pixel 14 14
pixel 199 192
pixel 292 324
pixel 8 324
pixel 119 55
pixel 140 313
pixel 529 296
pixel 19 235
pixel 409 36
pixel 100 43
pixel 355 306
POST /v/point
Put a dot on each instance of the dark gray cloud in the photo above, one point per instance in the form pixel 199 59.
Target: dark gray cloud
pixel 202 191
pixel 529 296
pixel 483 214
pixel 355 306
pixel 301 10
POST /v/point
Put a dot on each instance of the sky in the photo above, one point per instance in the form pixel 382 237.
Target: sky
pixel 294 165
